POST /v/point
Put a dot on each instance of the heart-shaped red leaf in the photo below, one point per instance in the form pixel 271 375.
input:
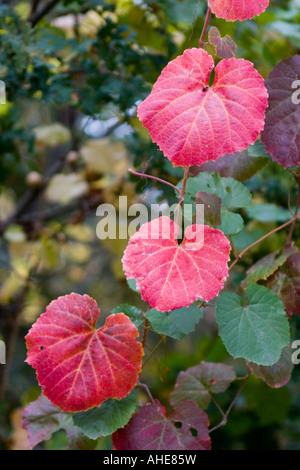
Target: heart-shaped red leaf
pixel 171 276
pixel 232 10
pixel 149 429
pixel 192 122
pixel 78 367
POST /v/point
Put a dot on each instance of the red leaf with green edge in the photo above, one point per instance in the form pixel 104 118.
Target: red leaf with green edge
pixel 225 47
pixel 232 10
pixel 170 276
pixel 193 122
pixel 279 374
pixel 41 420
pixel 267 266
pixel 199 382
pixel 78 366
pixel 281 135
pixel 185 429
pixel 286 284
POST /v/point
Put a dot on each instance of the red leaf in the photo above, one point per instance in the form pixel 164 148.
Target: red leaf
pixel 281 135
pixel 232 10
pixel 172 276
pixel 192 122
pixel 78 367
pixel 225 47
pixel 149 429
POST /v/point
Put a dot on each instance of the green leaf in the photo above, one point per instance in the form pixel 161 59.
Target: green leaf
pixel 197 383
pixel 232 223
pixel 257 331
pixel 134 313
pixel 110 416
pixel 176 324
pixel 132 284
pixel 233 193
pixel 268 213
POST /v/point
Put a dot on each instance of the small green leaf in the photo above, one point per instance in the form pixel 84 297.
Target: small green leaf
pixel 134 313
pixel 232 223
pixel 110 416
pixel 177 323
pixel 257 331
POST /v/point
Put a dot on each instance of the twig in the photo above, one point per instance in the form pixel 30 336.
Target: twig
pixel 145 387
pixel 286 224
pixel 225 415
pixel 145 332
pixel 205 27
pixel 182 193
pixel 142 175
pixel 11 337
pixel 290 235
pixel 39 15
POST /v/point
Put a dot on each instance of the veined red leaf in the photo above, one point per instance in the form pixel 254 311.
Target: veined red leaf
pixel 232 10
pixel 171 276
pixel 281 135
pixel 149 429
pixel 78 366
pixel 193 122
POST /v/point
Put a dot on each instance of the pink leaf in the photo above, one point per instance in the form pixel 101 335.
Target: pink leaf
pixel 149 429
pixel 232 10
pixel 193 122
pixel 171 276
pixel 78 367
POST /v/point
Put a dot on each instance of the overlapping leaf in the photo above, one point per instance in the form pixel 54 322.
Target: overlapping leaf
pixel 232 193
pixel 232 10
pixel 110 416
pixel 279 374
pixel 257 331
pixel 286 284
pixel 79 367
pixel 193 122
pixel 185 429
pixel 240 166
pixel 267 266
pixel 41 419
pixel 197 383
pixel 281 135
pixel 225 47
pixel 176 324
pixel 170 276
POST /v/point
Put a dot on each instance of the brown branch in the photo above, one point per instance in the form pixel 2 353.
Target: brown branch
pixel 286 224
pixel 142 175
pixel 39 14
pixel 11 338
pixel 182 193
pixel 205 27
pixel 225 415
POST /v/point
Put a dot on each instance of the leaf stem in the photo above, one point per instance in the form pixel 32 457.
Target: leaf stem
pixel 146 388
pixel 182 193
pixel 142 175
pixel 225 415
pixel 290 235
pixel 205 27
pixel 286 224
